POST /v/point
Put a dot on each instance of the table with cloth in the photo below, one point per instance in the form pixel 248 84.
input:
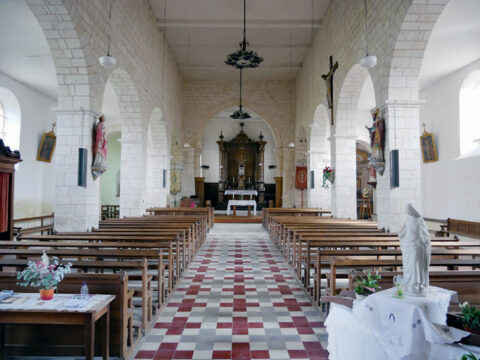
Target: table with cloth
pixel 386 327
pixel 242 203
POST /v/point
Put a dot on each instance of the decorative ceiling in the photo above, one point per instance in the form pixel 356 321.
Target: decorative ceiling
pixel 202 33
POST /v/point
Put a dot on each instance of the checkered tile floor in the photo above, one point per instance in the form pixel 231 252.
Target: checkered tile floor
pixel 238 300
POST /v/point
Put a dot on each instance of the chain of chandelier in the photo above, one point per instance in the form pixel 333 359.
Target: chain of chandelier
pixel 243 59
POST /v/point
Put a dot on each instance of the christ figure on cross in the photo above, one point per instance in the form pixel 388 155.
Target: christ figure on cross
pixel 328 77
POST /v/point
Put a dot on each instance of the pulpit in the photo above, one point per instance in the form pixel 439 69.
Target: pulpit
pixel 241 165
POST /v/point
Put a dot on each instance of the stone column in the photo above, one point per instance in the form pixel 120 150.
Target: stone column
pixel 403 131
pixel 132 175
pixel 344 188
pixel 76 208
pixel 288 177
pixel 188 175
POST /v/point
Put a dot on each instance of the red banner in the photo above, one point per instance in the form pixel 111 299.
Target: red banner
pixel 301 178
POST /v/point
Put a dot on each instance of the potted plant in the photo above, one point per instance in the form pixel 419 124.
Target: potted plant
pixel 469 357
pixel 470 318
pixel 366 286
pixel 328 175
pixel 44 275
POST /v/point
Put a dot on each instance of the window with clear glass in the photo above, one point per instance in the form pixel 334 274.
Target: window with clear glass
pixel 2 121
pixel 470 114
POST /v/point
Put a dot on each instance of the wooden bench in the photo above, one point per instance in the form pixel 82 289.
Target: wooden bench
pixel 208 212
pixel 461 227
pixel 44 225
pixel 122 338
pixel 114 266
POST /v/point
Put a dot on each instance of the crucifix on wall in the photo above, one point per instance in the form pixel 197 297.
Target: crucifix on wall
pixel 328 77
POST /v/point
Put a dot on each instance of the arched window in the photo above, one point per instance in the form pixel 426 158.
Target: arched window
pixel 2 121
pixel 470 114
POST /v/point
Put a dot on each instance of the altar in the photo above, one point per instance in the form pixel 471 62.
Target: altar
pixel 241 168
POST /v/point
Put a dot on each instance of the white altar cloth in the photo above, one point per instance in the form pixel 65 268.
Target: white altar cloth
pixel 242 203
pixel 241 192
pixel 391 328
pixel 349 338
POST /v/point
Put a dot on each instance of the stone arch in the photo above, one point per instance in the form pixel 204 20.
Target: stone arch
pixel 67 51
pixel 133 147
pixel 158 158
pixel 214 109
pixel 410 39
pixel 318 158
pixel 343 146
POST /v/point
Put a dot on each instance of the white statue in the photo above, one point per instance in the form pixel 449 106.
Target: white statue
pixel 416 253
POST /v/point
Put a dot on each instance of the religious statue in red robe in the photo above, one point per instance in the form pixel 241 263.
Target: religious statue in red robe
pixel 100 150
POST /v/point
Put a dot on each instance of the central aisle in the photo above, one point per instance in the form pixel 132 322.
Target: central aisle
pixel 238 300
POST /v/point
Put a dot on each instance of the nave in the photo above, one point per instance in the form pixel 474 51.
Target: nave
pixel 239 299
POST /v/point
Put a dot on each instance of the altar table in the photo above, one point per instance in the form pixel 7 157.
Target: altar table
pixel 385 328
pixel 55 311
pixel 242 203
pixel 241 193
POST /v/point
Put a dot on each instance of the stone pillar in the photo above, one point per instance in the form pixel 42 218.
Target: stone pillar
pixel 288 177
pixel 188 175
pixel 318 197
pixel 132 175
pixel 344 188
pixel 402 133
pixel 76 208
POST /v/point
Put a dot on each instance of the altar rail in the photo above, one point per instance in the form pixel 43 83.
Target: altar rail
pixel 35 224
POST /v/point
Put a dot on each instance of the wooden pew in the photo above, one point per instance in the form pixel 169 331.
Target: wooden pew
pixel 268 212
pixel 122 339
pixel 44 224
pixel 208 211
pixel 465 282
pixel 115 266
pixel 167 242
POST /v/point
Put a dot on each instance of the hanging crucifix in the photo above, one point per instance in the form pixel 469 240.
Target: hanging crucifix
pixel 328 77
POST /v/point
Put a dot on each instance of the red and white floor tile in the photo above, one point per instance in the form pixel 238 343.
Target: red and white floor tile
pixel 238 300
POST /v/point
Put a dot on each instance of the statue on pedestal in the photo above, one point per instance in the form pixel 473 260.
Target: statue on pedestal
pixel 416 249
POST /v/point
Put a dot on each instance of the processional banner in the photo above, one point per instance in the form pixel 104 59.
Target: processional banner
pixel 301 178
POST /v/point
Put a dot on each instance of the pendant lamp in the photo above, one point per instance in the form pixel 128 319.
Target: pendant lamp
pixel 108 61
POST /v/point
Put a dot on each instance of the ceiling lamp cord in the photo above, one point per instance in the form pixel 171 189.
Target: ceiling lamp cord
pixel 368 61
pixel 108 61
pixel 164 50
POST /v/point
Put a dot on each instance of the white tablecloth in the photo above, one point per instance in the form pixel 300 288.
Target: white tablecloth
pixel 242 203
pixel 408 328
pixel 241 192
pixel 59 302
pixel 350 339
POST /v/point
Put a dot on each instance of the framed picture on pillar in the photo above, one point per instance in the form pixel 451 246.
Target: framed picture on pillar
pixel 429 150
pixel 301 178
pixel 47 147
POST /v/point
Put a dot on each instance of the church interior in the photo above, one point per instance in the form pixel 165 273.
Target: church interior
pixel 240 179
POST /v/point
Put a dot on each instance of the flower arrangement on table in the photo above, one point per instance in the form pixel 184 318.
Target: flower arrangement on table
pixel 470 318
pixel 328 175
pixel 44 274
pixel 365 286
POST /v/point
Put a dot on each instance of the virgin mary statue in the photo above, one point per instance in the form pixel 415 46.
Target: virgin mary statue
pixel 416 253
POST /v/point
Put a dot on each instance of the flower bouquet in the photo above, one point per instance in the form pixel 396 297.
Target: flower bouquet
pixel 328 175
pixel 470 318
pixel 44 275
pixel 366 286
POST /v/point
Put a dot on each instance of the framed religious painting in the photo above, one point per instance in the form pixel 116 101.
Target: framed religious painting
pixel 429 150
pixel 47 147
pixel 175 186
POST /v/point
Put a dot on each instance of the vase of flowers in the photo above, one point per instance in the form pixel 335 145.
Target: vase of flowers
pixel 365 286
pixel 44 274
pixel 328 175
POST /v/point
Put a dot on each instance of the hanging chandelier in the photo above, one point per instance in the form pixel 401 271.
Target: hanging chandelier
pixel 239 114
pixel 368 61
pixel 243 58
